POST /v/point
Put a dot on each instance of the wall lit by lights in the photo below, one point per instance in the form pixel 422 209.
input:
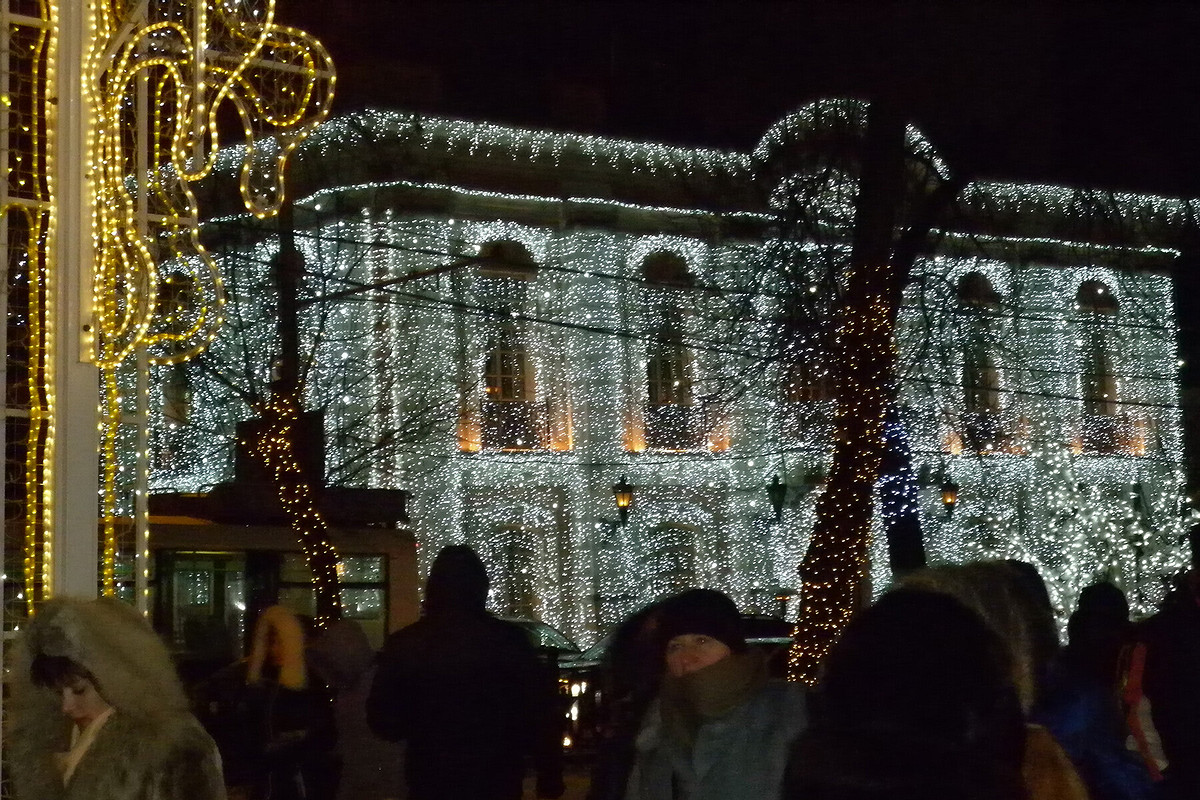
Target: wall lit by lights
pixel 508 372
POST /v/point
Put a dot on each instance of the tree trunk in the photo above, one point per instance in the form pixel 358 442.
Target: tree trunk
pixel 835 565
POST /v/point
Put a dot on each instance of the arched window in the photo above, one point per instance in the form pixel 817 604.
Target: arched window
pixel 666 269
pixel 1098 381
pixel 506 259
pixel 670 559
pixel 978 301
pixel 506 377
pixel 512 420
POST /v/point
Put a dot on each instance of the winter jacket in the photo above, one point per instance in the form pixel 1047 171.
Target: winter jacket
pixel 151 748
pixel 1084 716
pixel 466 693
pixel 740 756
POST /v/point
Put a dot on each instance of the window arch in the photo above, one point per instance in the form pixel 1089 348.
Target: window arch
pixel 666 269
pixel 504 258
pixel 975 292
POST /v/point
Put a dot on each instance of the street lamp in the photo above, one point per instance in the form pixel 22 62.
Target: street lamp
pixel 949 496
pixel 777 492
pixel 623 494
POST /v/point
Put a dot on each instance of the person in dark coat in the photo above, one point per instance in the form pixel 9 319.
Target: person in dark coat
pixel 1081 704
pixel 916 702
pixel 1172 684
pixel 630 678
pixel 468 693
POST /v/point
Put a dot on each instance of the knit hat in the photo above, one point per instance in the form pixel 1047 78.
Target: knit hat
pixel 704 612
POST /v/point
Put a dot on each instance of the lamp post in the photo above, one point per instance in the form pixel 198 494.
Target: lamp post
pixel 777 493
pixel 623 495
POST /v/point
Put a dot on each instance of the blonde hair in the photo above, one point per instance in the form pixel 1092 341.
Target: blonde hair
pixel 992 590
pixel 280 624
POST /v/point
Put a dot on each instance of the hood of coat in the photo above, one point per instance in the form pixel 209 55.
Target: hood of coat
pixel 133 672
pixel 110 639
pixel 458 583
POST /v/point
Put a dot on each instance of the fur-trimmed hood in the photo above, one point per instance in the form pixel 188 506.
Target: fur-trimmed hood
pixel 151 749
pixel 112 641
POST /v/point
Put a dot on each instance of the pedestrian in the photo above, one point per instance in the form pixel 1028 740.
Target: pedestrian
pixel 97 711
pixel 1001 597
pixel 289 712
pixel 916 701
pixel 371 768
pixel 1081 704
pixel 1172 681
pixel 628 683
pixel 467 693
pixel 719 728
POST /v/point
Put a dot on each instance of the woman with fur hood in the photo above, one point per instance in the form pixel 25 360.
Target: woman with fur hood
pixel 98 713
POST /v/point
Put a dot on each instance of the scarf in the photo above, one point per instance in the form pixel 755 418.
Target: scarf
pixel 81 742
pixel 688 701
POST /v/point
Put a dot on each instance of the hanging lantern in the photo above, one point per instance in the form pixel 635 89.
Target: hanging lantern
pixel 623 494
pixel 949 496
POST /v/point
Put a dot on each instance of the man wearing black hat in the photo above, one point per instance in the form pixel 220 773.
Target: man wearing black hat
pixel 719 728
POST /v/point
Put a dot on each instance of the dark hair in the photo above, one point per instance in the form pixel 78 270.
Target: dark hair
pixel 54 672
pixel 917 702
pixel 458 582
pixel 1097 632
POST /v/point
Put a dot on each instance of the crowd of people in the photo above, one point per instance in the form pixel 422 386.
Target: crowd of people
pixel 953 684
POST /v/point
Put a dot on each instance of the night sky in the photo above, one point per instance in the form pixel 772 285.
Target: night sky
pixel 1097 94
pixel 1092 94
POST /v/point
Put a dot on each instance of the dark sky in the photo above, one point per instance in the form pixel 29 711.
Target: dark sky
pixel 1091 93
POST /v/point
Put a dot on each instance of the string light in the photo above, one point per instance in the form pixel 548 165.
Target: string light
pixel 156 85
pixel 400 374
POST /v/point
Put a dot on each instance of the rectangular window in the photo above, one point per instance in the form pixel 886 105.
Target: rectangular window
pixel 363 580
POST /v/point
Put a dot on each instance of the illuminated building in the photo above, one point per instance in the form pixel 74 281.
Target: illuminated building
pixel 505 322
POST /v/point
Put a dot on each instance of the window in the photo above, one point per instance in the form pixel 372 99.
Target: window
pixel 362 581
pixel 513 592
pixel 506 259
pixel 1098 381
pixel 506 371
pixel 667 382
pixel 978 302
pixel 670 554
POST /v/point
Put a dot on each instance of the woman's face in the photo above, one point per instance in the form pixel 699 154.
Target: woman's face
pixel 81 702
pixel 692 651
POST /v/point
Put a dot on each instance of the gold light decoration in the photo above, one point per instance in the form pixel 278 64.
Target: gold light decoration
pixel 156 75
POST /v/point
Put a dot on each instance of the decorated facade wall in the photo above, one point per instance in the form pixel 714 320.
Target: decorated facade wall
pixel 507 323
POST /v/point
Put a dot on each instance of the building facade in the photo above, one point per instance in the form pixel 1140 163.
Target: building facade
pixel 508 322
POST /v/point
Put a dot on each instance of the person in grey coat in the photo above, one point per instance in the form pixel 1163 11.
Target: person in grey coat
pixel 371 768
pixel 719 729
pixel 97 712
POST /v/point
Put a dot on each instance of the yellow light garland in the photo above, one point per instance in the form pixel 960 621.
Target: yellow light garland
pixel 195 56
